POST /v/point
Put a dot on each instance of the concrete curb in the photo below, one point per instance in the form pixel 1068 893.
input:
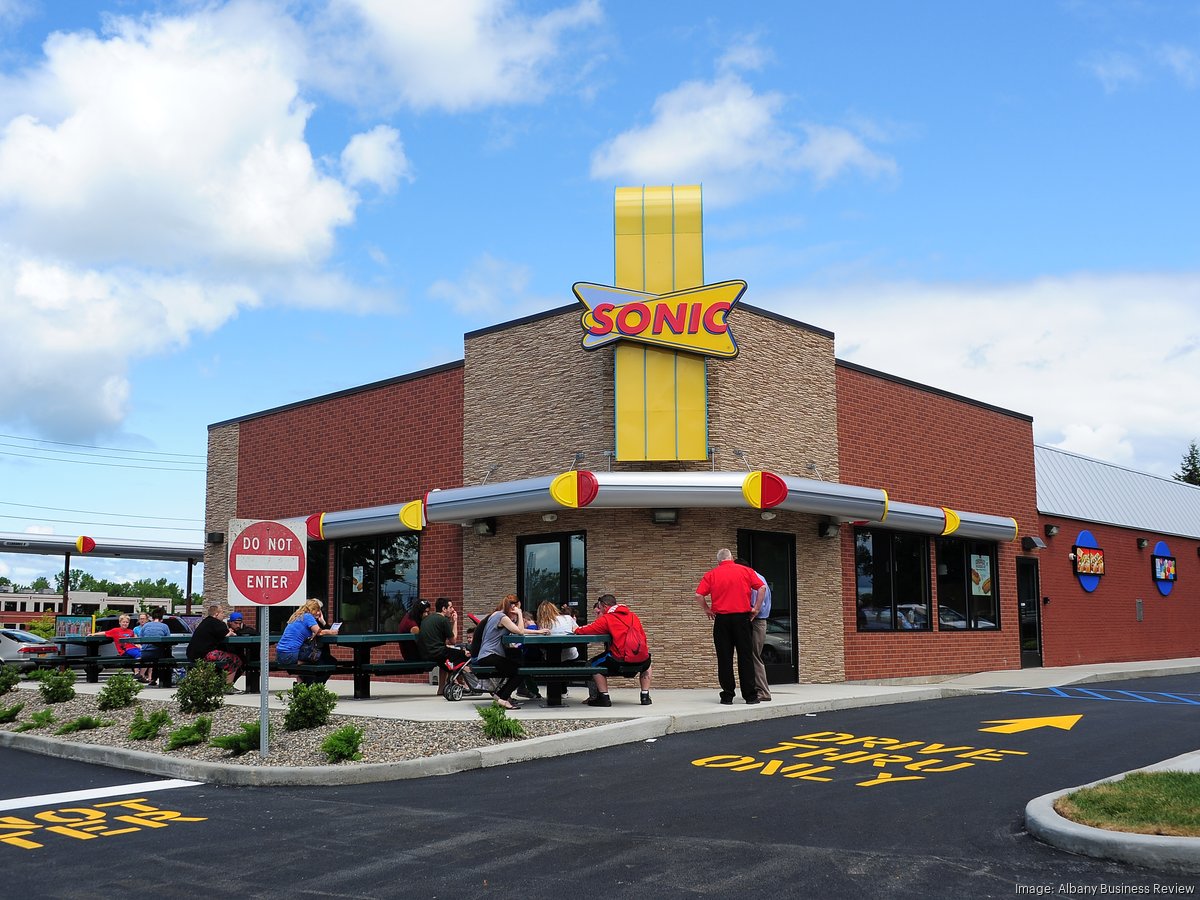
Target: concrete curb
pixel 613 734
pixel 1154 851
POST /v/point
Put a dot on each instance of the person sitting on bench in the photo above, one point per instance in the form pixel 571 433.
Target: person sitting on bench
pixel 436 640
pixel 627 650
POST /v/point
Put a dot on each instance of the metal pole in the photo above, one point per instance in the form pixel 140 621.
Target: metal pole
pixel 66 582
pixel 264 665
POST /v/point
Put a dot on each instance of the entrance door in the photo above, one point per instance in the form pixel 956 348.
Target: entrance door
pixel 553 567
pixel 773 556
pixel 1029 602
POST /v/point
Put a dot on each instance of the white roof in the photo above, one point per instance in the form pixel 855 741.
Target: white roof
pixel 1076 487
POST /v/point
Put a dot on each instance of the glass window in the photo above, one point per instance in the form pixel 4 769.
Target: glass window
pixel 376 581
pixel 968 595
pixel 891 572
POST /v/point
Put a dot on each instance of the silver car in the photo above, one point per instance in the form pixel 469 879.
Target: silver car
pixel 22 648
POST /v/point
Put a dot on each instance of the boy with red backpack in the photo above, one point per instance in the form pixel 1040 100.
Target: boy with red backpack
pixel 627 650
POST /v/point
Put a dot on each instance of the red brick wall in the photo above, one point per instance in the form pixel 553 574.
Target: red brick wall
pixel 924 447
pixel 1080 627
pixel 382 444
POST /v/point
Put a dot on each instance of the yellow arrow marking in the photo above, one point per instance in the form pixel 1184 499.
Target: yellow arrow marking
pixel 1012 726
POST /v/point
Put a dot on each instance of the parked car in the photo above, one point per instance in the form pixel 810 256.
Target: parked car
pixel 22 648
pixel 952 618
pixel 777 645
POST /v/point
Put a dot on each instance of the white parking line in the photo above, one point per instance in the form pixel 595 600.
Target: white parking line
pixel 141 787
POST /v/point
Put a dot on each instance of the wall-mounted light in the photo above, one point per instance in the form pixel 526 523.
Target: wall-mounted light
pixel 766 515
pixel 664 516
pixel 484 527
pixel 1032 542
pixel 215 537
pixel 1051 530
pixel 549 517
pixel 1143 543
pixel 828 530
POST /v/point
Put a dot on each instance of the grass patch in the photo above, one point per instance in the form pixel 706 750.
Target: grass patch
pixel 1165 803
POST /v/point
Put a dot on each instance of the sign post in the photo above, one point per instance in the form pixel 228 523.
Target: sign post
pixel 267 567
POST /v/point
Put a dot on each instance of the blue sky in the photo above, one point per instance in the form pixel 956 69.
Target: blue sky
pixel 209 209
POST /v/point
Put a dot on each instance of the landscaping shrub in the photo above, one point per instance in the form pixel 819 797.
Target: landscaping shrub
pixel 196 733
pixel 497 724
pixel 343 744
pixel 10 713
pixel 38 674
pixel 41 719
pixel 58 687
pixel 309 706
pixel 242 741
pixel 202 689
pixel 118 692
pixel 83 723
pixel 10 677
pixel 143 729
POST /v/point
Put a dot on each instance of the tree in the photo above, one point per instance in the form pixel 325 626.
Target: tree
pixel 40 584
pixel 1189 469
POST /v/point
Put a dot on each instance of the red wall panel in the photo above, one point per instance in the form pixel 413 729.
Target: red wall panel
pixel 924 446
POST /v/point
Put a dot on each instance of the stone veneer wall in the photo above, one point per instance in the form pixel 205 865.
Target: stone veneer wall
pixel 220 505
pixel 533 397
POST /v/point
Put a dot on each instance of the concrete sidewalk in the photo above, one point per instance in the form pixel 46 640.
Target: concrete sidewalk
pixel 672 711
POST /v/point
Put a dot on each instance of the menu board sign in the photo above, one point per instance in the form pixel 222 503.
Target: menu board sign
pixel 1163 568
pixel 1088 560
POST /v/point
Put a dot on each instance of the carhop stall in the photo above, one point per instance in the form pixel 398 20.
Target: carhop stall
pixel 615 444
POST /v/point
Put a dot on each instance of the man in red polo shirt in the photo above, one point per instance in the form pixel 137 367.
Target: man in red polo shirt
pixel 736 593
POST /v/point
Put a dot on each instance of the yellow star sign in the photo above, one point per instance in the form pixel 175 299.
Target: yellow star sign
pixel 693 319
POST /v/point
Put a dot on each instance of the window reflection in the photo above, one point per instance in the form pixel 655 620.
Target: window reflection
pixel 377 581
pixel 891 580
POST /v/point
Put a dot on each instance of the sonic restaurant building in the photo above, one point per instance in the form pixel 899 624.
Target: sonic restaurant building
pixel 617 443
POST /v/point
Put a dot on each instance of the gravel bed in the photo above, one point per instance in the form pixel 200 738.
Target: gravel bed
pixel 384 740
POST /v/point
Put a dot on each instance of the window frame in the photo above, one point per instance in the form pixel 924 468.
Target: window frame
pixel 959 551
pixel 888 537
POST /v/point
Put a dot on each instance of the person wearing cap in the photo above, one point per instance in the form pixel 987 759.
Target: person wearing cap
pixel 246 652
pixel 628 647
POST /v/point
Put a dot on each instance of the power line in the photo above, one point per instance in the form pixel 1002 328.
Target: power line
pixel 92 512
pixel 102 524
pixel 13 437
pixel 84 462
pixel 92 455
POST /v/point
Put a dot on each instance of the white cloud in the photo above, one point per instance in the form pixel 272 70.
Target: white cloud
pixel 745 54
pixel 153 181
pixel 491 288
pixel 1183 63
pixel 1114 70
pixel 376 157
pixel 1108 366
pixel 733 140
pixel 453 56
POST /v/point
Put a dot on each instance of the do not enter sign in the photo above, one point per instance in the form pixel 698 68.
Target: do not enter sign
pixel 267 562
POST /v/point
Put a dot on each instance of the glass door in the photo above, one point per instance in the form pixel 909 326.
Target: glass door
pixel 773 555
pixel 553 567
pixel 1028 591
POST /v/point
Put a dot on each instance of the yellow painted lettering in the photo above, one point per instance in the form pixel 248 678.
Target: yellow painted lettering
pixel 724 761
pixel 806 771
pixel 941 748
pixel 771 767
pixel 935 765
pixel 829 737
pixel 885 758
pixel 990 754
pixel 889 778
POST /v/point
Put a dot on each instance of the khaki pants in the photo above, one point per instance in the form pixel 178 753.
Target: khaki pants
pixel 759 635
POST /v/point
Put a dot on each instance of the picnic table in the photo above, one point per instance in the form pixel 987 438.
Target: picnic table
pixel 552 671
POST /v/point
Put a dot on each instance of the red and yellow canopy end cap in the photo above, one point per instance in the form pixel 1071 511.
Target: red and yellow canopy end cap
pixel 316 526
pixel 85 544
pixel 764 490
pixel 574 490
pixel 953 520
pixel 412 515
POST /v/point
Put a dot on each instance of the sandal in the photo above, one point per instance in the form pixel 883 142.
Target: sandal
pixel 507 704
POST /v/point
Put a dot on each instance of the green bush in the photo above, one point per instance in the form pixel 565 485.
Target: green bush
pixel 143 729
pixel 10 713
pixel 10 677
pixel 38 674
pixel 118 692
pixel 343 744
pixel 41 719
pixel 42 626
pixel 202 689
pixel 309 706
pixel 241 742
pixel 497 724
pixel 196 733
pixel 83 723
pixel 58 687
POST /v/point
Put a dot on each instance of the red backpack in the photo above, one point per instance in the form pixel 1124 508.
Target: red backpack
pixel 629 642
